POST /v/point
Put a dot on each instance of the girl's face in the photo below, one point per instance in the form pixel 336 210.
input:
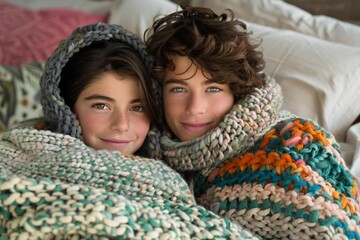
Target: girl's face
pixel 193 103
pixel 111 115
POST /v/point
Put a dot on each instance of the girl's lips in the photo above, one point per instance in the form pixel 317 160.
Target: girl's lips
pixel 199 127
pixel 116 143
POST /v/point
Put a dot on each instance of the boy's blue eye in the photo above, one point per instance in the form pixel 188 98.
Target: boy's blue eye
pixel 177 89
pixel 214 89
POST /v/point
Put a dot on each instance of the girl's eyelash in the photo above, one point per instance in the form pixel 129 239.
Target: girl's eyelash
pixel 99 105
pixel 139 108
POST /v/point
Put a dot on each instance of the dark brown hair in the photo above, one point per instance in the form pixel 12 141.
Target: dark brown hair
pixel 104 56
pixel 217 44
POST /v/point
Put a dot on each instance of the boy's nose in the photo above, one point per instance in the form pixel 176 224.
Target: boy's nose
pixel 196 104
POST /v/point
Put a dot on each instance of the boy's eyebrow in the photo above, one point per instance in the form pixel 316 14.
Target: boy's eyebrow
pixel 177 81
pixel 183 82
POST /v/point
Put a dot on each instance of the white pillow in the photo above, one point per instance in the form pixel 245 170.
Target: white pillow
pixel 279 14
pixel 139 15
pixel 320 79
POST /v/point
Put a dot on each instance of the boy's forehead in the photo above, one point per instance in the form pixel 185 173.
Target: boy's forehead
pixel 183 64
pixel 184 69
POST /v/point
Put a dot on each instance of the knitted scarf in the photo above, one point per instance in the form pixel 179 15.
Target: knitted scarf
pixel 55 187
pixel 275 174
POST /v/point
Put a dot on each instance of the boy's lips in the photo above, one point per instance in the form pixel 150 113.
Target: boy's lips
pixel 196 127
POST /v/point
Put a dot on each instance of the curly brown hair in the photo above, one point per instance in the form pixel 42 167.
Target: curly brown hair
pixel 217 44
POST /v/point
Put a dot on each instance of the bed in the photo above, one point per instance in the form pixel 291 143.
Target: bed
pixel 316 59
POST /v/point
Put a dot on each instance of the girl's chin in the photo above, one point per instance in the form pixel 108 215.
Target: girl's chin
pixel 113 147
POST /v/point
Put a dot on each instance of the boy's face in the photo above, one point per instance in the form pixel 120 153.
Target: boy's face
pixel 111 115
pixel 193 103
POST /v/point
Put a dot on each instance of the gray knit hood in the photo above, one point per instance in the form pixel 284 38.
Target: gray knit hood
pixel 58 115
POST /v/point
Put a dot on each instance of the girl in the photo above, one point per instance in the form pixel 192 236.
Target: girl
pixel 66 184
pixel 105 87
pixel 276 174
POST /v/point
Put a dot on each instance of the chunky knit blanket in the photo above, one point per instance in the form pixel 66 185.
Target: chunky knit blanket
pixel 277 175
pixel 52 186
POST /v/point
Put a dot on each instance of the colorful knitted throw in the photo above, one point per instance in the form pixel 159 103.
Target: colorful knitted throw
pixel 277 175
pixel 52 186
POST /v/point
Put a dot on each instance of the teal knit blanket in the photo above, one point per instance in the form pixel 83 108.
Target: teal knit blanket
pixel 52 186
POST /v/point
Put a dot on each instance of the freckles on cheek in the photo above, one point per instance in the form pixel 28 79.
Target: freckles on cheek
pixel 141 128
pixel 90 123
pixel 171 105
pixel 166 107
pixel 224 105
pixel 144 129
pixel 145 123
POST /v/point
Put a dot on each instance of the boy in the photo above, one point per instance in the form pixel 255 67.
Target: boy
pixel 276 174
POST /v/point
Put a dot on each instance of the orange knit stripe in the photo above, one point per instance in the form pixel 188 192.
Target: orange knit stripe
pixel 298 132
pixel 354 189
pixel 260 159
pixel 308 127
pixel 345 202
pixel 267 137
pixel 280 163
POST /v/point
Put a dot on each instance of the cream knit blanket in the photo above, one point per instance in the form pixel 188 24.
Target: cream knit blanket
pixel 52 186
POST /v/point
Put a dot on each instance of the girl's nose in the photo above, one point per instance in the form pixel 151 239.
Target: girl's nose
pixel 120 121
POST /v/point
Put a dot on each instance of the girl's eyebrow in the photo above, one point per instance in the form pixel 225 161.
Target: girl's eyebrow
pixel 99 97
pixel 135 100
pixel 109 99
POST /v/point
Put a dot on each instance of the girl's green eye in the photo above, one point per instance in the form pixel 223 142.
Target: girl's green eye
pixel 100 106
pixel 137 109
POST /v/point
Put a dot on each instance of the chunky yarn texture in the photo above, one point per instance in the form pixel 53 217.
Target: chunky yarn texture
pixel 277 175
pixel 52 186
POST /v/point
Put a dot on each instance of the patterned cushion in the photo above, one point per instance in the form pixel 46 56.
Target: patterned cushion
pixel 28 35
pixel 20 90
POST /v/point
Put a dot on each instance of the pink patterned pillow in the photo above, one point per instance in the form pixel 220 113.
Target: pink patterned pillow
pixel 27 35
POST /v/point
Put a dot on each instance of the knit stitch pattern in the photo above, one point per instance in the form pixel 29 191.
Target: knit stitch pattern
pixel 55 187
pixel 287 180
